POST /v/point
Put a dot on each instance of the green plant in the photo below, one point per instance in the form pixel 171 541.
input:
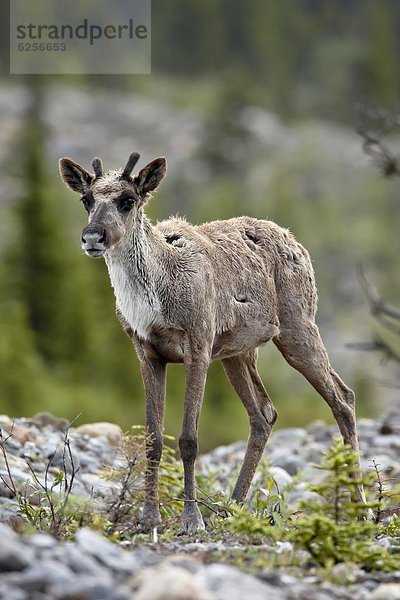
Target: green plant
pixel 124 508
pixel 48 504
pixel 335 529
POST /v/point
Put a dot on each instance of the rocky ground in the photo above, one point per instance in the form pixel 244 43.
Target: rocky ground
pixel 40 567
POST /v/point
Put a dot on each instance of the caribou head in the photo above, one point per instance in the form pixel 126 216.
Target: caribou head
pixel 112 199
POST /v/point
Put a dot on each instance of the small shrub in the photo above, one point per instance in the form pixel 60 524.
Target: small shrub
pixel 335 529
pixel 49 505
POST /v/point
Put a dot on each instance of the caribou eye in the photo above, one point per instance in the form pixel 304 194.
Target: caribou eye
pixel 125 204
pixel 87 202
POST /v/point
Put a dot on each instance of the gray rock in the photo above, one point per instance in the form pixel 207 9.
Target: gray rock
pixel 5 491
pixel 277 578
pixel 8 592
pixel 307 593
pixel 111 432
pixel 14 555
pixel 390 423
pixel 8 510
pixel 98 446
pixel 14 445
pixel 282 478
pixel 301 493
pixel 390 441
pixel 288 461
pixel 43 419
pixel 227 583
pixel 82 563
pixel 319 431
pixel 41 576
pixel 384 542
pixel 89 462
pixel 168 582
pixel 385 463
pixel 314 476
pixel 184 562
pixel 313 452
pixel 346 573
pixel 100 487
pixel 7 533
pixel 53 450
pixel 386 591
pixel 106 552
pixel 42 541
pixel 85 588
pixel 291 437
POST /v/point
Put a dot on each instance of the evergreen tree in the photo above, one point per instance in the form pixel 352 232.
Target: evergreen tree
pixel 40 258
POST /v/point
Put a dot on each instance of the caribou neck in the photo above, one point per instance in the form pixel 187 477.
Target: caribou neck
pixel 138 255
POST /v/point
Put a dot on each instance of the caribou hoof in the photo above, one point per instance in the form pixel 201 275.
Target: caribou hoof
pixel 149 518
pixel 191 520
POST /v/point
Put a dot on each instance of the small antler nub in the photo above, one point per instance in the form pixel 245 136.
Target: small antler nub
pixel 132 160
pixel 97 166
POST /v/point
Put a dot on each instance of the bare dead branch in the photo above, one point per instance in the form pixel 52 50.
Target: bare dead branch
pixel 388 384
pixel 380 491
pixel 377 305
pixel 377 344
pixel 10 485
pixel 374 125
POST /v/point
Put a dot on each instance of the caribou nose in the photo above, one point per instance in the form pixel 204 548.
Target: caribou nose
pixel 93 237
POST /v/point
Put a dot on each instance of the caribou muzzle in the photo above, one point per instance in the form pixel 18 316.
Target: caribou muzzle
pixel 94 241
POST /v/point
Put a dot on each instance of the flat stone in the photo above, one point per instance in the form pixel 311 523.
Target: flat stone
pixel 282 478
pixel 168 582
pixel 9 592
pixel 82 563
pixel 108 553
pixel 90 463
pixel 53 450
pixel 86 588
pixel 7 533
pixel 346 573
pixel 291 436
pixel 386 591
pixel 100 487
pixel 112 433
pixel 44 574
pixel 301 493
pixel 312 453
pixel 227 583
pixel 288 461
pixel 390 422
pixel 14 556
pixel 43 419
pixel 6 424
pixel 18 467
pixel 386 464
pixel 41 541
pixel 319 431
pixel 391 440
pixel 21 434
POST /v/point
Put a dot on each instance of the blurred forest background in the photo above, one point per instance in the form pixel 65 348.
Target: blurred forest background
pixel 253 103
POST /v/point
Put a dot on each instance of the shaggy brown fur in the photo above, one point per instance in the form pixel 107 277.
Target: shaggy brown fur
pixel 194 294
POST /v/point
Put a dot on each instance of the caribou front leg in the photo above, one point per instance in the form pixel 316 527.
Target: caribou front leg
pixel 153 374
pixel 196 372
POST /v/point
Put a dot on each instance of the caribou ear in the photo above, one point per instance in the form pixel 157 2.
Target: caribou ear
pixel 74 176
pixel 150 177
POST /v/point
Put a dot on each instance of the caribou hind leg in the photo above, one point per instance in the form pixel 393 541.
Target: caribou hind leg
pixel 304 350
pixel 242 374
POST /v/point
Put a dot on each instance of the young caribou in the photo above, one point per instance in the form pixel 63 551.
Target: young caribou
pixel 196 293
